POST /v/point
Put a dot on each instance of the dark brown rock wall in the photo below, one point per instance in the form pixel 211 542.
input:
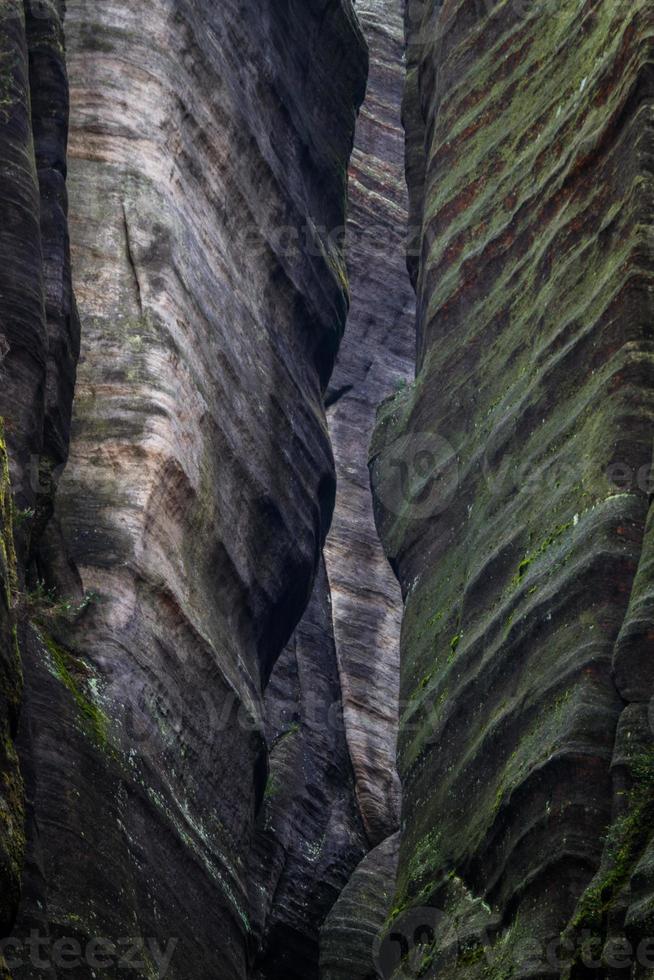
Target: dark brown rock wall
pixel 512 485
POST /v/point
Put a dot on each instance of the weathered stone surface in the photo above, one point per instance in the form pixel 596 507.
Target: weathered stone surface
pixel 49 113
pixel 350 935
pixel 509 481
pixel 309 832
pixel 377 355
pixel 190 518
pixel 12 803
pixel 297 836
pixel 38 350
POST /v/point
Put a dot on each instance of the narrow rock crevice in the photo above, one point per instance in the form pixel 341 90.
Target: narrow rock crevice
pixel 326 602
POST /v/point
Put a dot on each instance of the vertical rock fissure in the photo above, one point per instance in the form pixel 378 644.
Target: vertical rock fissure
pixel 342 667
pixel 376 360
pixel 376 357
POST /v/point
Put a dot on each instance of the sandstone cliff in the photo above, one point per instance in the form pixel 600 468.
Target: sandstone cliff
pixel 513 490
pixel 332 702
pixel 207 164
pixel 38 348
pixel 202 685
pixel 376 357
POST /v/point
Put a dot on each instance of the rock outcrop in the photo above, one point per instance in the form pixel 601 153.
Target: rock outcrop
pixel 377 356
pixel 342 667
pixel 350 937
pixel 39 341
pixel 207 166
pixel 309 832
pixel 513 488
pixel 200 688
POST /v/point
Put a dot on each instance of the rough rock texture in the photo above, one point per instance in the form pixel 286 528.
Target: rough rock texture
pixel 207 160
pixel 376 356
pixel 38 351
pixel 513 485
pixel 12 802
pixel 309 832
pixel 350 935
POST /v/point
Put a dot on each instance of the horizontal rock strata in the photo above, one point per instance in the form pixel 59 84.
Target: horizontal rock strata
pixel 512 485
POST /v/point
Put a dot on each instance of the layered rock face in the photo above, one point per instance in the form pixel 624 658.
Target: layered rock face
pixel 332 702
pixel 38 350
pixel 513 489
pixel 377 356
pixel 310 835
pixel 351 937
pixel 207 165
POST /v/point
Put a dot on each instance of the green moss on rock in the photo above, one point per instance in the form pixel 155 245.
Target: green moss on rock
pixel 74 676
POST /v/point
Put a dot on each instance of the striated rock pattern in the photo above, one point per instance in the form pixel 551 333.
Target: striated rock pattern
pixel 376 356
pixel 12 802
pixel 38 351
pixel 310 837
pixel 207 160
pixel 350 935
pixel 309 832
pixel 513 490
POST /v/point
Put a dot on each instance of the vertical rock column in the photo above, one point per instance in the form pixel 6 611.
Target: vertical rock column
pixel 333 697
pixel 376 357
pixel 208 154
pixel 512 483
pixel 310 835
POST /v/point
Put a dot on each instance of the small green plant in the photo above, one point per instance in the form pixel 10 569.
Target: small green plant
pixel 538 552
pixel 43 606
pixel 21 516
pixel 272 787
